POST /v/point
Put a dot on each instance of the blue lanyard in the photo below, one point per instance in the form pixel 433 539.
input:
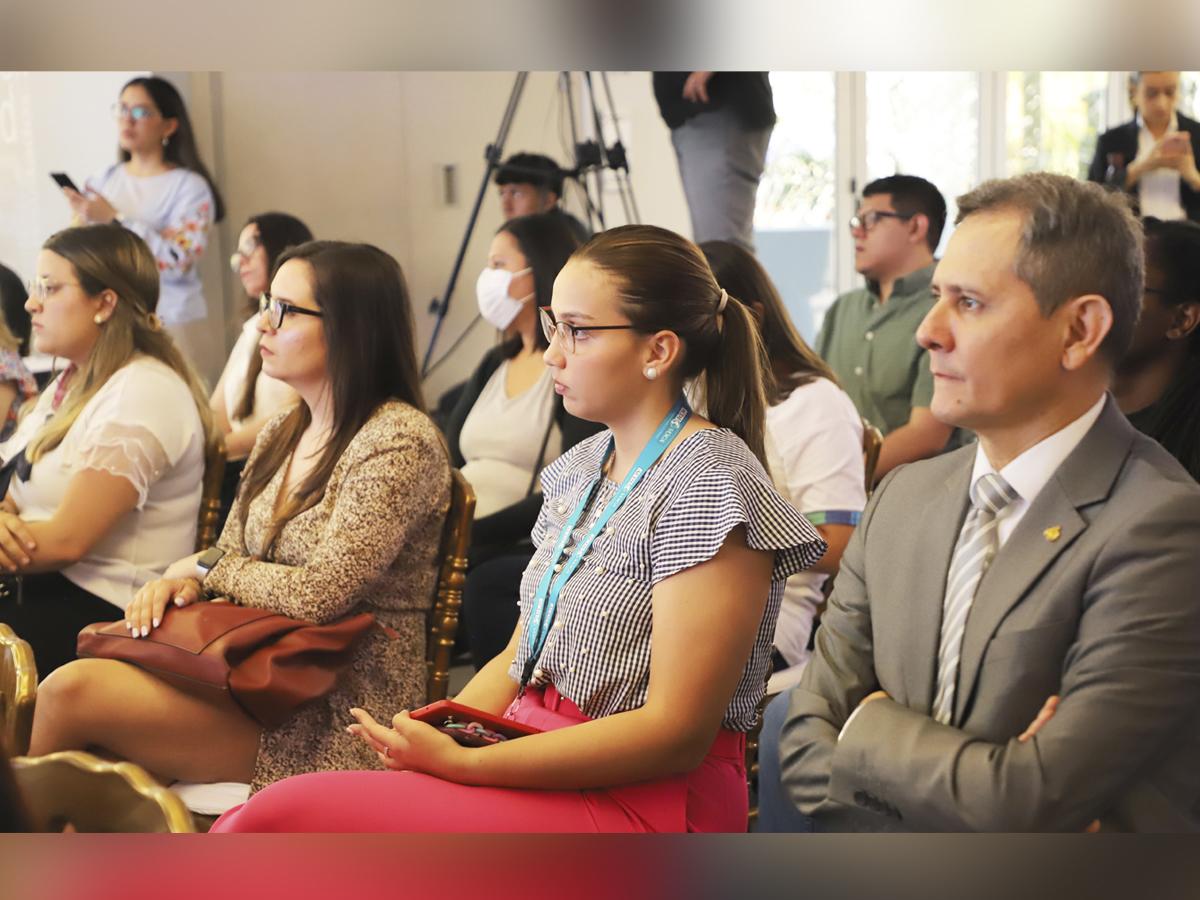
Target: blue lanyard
pixel 545 601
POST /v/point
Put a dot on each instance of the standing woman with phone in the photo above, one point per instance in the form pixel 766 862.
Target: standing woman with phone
pixel 161 191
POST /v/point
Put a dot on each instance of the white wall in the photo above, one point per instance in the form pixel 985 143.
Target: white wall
pixel 49 122
pixel 360 156
pixel 356 155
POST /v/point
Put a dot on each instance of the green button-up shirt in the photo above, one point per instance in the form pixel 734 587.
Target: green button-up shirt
pixel 872 348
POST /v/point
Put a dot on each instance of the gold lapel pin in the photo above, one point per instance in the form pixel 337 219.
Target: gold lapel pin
pixel 1053 533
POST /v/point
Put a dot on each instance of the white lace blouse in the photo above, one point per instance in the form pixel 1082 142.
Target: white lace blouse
pixel 142 425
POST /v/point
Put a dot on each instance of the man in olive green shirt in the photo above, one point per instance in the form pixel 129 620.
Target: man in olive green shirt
pixel 869 335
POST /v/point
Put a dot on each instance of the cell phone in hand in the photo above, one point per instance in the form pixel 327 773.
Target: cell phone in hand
pixel 1176 142
pixel 63 180
pixel 469 726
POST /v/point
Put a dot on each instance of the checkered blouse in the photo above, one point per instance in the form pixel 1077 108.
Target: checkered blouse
pixel 598 651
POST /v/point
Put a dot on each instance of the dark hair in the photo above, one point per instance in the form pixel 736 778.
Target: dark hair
pixel 1173 250
pixel 547 242
pixel 531 168
pixel 793 362
pixel 912 195
pixel 1077 239
pixel 665 284
pixel 276 232
pixel 181 145
pixel 12 300
pixel 369 337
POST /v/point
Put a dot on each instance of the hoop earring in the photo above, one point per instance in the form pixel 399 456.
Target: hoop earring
pixel 651 373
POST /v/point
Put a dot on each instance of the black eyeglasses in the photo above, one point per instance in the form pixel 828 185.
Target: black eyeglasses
pixel 869 219
pixel 566 332
pixel 277 309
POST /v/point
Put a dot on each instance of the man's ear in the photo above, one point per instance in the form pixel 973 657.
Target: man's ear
pixel 918 228
pixel 1089 319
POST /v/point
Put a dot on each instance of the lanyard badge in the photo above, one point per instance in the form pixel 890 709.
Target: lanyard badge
pixel 545 601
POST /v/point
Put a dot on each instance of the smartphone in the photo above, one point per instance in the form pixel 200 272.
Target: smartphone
pixel 469 726
pixel 63 180
pixel 1176 141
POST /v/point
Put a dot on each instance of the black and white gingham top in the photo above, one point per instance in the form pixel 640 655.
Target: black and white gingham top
pixel 598 651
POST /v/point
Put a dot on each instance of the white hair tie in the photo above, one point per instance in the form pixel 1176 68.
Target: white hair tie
pixel 721 303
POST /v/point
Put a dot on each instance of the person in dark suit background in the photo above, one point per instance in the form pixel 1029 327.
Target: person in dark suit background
pixel 1012 639
pixel 1154 157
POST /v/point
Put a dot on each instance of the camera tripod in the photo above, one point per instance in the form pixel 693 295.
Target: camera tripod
pixel 590 158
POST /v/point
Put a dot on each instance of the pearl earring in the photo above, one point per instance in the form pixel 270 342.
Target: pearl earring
pixel 651 373
pixel 98 319
pixel 166 140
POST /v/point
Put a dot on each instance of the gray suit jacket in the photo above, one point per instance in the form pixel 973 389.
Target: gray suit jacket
pixel 1106 614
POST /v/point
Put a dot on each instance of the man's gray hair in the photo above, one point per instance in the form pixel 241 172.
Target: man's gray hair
pixel 1077 238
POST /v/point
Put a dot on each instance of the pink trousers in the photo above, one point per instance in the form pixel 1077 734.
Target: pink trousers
pixel 710 798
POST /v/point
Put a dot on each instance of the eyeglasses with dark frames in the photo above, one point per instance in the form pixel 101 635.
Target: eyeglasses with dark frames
pixel 277 310
pixel 869 219
pixel 566 332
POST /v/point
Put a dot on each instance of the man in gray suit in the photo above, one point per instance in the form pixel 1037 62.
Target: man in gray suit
pixel 1013 641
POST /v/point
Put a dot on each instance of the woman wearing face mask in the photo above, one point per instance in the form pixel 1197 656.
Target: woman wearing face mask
pixel 508 423
pixel 245 396
pixel 161 191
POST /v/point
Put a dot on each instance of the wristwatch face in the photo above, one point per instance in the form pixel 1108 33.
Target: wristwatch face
pixel 209 558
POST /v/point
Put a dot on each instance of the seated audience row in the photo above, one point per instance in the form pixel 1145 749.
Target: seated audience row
pixel 339 511
pixel 624 539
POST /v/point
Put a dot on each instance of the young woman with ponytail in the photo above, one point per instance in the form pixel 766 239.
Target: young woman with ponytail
pixel 648 607
pixel 105 470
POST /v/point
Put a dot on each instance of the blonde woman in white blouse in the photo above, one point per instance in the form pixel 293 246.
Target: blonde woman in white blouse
pixel 106 469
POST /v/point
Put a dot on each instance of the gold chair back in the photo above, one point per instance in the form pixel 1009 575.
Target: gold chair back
pixel 18 691
pixel 872 442
pixel 210 499
pixel 90 794
pixel 452 574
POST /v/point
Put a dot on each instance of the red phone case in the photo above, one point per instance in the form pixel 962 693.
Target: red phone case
pixel 447 712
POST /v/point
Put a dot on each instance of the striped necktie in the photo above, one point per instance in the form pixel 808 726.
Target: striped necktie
pixel 972 555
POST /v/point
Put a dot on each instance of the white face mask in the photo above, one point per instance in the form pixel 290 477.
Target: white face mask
pixel 491 290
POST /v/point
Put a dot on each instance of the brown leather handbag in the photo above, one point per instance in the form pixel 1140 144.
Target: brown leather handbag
pixel 269 663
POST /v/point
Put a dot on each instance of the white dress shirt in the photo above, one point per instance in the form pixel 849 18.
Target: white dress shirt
pixel 1030 471
pixel 1158 191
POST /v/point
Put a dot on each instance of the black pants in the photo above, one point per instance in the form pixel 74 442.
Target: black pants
pixel 49 611
pixel 490 611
